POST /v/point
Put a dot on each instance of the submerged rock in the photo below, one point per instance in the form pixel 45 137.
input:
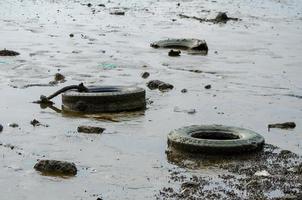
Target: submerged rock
pixel 174 53
pixel 56 167
pixel 8 53
pixel 90 129
pixel 157 84
pixel 286 125
pixel 145 75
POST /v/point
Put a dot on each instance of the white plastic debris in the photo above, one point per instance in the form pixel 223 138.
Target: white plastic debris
pixel 262 173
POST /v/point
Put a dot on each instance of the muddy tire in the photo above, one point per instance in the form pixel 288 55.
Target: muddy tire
pixel 215 139
pixel 105 99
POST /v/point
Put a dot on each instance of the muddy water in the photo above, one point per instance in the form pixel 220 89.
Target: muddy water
pixel 253 65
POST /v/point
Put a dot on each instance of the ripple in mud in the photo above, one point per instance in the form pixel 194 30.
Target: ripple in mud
pixel 235 176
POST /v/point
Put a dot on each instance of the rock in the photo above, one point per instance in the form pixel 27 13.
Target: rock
pixel 145 75
pixel 117 12
pixel 89 4
pixel 55 167
pixel 13 125
pixel 157 84
pixel 8 53
pixel 286 125
pixel 101 5
pixel 222 18
pixel 299 169
pixel 184 90
pixel 71 35
pixel 90 129
pixel 59 77
pixel 35 122
pixel 191 111
pixel 207 87
pixel 174 53
pixel 1 128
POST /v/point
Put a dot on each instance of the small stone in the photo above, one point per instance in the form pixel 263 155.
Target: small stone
pixel 89 4
pixel 8 53
pixel 145 75
pixel 184 90
pixel 59 77
pixel 13 125
pixel 117 12
pixel 35 122
pixel 1 128
pixel 71 35
pixel 90 129
pixel 207 87
pixel 101 5
pixel 157 84
pixel 191 111
pixel 174 53
pixel 55 167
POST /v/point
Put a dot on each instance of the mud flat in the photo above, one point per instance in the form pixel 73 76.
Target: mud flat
pixel 249 78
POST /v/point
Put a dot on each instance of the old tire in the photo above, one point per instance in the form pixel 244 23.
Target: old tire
pixel 105 99
pixel 183 44
pixel 215 139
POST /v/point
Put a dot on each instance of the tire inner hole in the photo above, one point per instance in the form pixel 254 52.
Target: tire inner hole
pixel 215 135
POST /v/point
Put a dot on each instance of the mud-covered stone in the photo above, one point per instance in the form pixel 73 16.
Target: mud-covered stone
pixel 6 52
pixel 90 129
pixel 174 53
pixel 56 167
pixel 157 84
pixel 145 75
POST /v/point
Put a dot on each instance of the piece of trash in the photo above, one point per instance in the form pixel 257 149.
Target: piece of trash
pixel 220 18
pixel 35 123
pixel 286 125
pixel 262 173
pixel 90 129
pixel 117 12
pixel 108 66
pixel 189 111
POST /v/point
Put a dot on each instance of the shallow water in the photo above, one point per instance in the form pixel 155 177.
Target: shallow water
pixel 255 78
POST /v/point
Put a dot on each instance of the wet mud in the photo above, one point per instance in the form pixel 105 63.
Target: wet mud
pixel 253 66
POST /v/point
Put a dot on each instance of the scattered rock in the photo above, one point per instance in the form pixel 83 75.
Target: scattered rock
pixel 8 53
pixel 55 167
pixel 157 84
pixel 207 87
pixel 71 35
pixel 1 128
pixel 35 122
pixel 174 53
pixel 145 75
pixel 101 5
pixel 286 125
pixel 89 4
pixel 90 129
pixel 184 90
pixel 13 125
pixel 59 78
pixel 117 12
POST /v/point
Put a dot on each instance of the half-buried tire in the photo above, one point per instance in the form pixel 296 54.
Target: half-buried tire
pixel 215 139
pixel 104 99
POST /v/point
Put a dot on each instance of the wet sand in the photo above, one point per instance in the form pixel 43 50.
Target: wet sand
pixel 255 78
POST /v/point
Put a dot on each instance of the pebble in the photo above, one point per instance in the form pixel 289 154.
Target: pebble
pixel 90 129
pixel 56 167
